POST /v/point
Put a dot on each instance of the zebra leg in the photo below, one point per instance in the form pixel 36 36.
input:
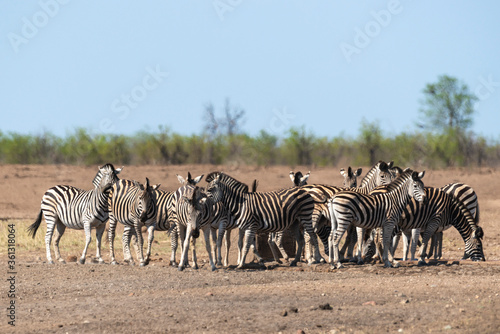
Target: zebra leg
pixel 60 228
pixel 361 236
pixel 220 235
pixel 174 238
pixel 395 243
pixel 406 243
pixel 415 234
pixel 88 238
pixel 151 237
pixel 334 249
pixel 140 242
pixel 315 247
pixel 207 232
pixel 228 245
pixel 241 237
pixel 299 237
pixel 194 258
pixel 387 257
pixel 273 245
pixel 111 238
pixel 213 243
pixel 439 245
pixel 279 244
pixel 248 240
pixel 51 222
pixel 185 233
pixel 429 231
pixel 126 236
pixel 98 236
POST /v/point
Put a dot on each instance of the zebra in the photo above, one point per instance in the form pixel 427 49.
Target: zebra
pixel 379 174
pixel 222 222
pixel 190 205
pixel 268 211
pixel 441 210
pixel 350 177
pixel 66 206
pixel 132 204
pixel 463 193
pixel 276 238
pixel 166 202
pixel 382 209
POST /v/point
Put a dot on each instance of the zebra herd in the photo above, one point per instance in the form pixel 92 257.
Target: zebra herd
pixel 388 202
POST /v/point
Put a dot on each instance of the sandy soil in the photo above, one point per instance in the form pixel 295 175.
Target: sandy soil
pixel 449 296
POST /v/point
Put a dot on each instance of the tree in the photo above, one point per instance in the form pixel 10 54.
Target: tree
pixel 371 139
pixel 448 105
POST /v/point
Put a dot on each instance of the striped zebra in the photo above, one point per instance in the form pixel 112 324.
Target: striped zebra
pixel 132 204
pixel 379 174
pixel 460 191
pixel 190 207
pixel 222 223
pixel 66 206
pixel 441 210
pixel 166 220
pixel 267 211
pixel 276 238
pixel 374 210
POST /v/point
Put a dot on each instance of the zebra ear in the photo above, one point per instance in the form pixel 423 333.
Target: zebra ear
pixel 358 171
pixel 147 184
pixel 342 172
pixel 406 169
pixel 390 164
pixel 383 166
pixel 304 178
pixel 203 200
pixel 198 178
pixel 156 186
pixel 349 171
pixel 292 176
pixel 118 170
pixel 180 179
pixel 478 233
pixel 421 174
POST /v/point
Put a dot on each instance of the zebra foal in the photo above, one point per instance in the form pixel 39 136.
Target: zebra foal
pixel 66 206
pixel 372 211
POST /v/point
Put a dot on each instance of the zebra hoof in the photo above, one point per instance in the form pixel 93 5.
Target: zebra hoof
pixel 81 261
pixel 396 264
pixel 293 264
pixel 142 264
pixel 51 262
pixel 360 262
pixel 214 268
pixel 180 268
pixel 100 261
pixel 61 261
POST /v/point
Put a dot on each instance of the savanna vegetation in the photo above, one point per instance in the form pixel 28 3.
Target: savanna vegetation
pixel 441 138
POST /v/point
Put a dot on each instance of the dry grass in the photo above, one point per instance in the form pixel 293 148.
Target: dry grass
pixel 73 241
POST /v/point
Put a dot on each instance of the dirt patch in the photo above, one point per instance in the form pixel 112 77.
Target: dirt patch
pixel 447 296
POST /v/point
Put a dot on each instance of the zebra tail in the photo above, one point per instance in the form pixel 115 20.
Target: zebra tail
pixel 34 227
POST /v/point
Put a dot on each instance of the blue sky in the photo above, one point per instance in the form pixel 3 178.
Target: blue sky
pixel 128 66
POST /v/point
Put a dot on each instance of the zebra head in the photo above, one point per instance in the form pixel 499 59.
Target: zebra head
pixel 384 175
pixel 189 179
pixel 196 206
pixel 416 188
pixel 145 199
pixel 474 245
pixel 298 179
pixel 213 189
pixel 350 177
pixel 106 176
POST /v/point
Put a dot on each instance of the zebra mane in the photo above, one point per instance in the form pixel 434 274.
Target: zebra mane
pixel 228 180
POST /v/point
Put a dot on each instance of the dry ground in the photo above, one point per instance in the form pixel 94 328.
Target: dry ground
pixel 448 296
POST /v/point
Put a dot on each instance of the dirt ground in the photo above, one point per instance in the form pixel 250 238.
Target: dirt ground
pixel 449 296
